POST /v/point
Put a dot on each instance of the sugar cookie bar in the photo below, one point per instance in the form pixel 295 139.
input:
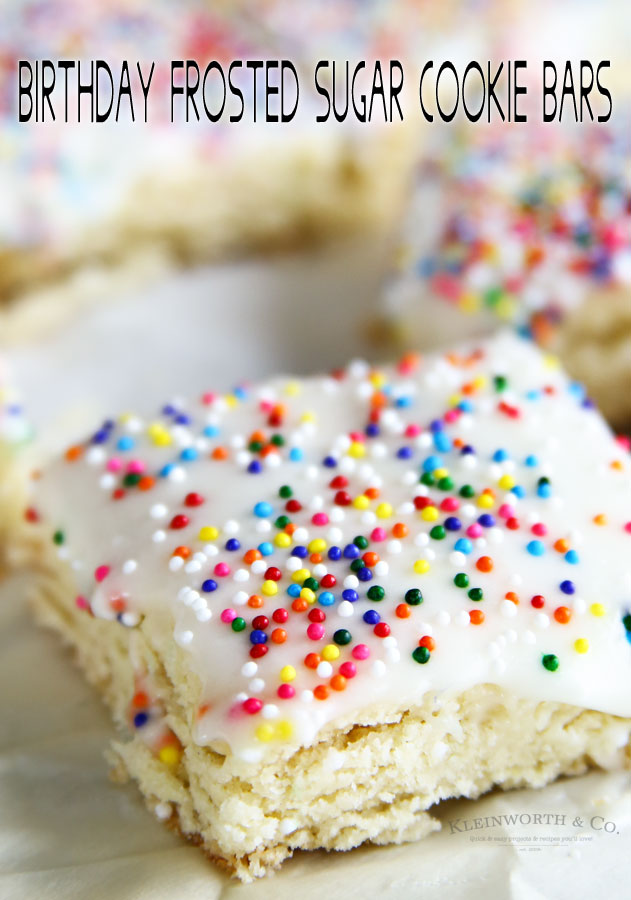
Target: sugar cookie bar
pixel 15 434
pixel 319 607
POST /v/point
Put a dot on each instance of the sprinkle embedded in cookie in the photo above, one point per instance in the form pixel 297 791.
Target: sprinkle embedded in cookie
pixel 311 569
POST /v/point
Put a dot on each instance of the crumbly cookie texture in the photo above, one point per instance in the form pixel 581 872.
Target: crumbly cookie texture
pixel 317 608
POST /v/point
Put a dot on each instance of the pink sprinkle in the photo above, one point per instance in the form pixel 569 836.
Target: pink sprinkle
pixel 451 415
pixel 101 572
pixel 539 529
pixel 450 504
pixel 135 466
pixel 360 651
pixel 208 398
pixel 315 631
pixel 475 530
pixel 506 511
pixel 348 670
pixel 357 436
pixel 412 430
pixel 114 464
pixel 265 406
pixel 222 569
pixel 252 705
pixel 320 519
pixel 378 534
pixel 286 692
pixel 81 602
pixel 627 527
pixel 228 615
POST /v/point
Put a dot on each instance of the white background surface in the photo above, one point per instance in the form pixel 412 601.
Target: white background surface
pixel 66 833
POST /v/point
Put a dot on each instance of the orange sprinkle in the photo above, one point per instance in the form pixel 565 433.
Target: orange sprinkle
pixel 251 555
pixel 146 483
pixel 321 692
pixel 562 614
pixel 484 564
pixel 290 528
pixel 378 400
pixel 403 611
pixel 600 519
pixel 203 709
pixel 169 740
pixel 372 493
pixel 512 596
pixel 400 530
pixel 338 683
pixel 257 437
pixel 617 465
pixel 118 604
pixel 255 602
pixel 476 617
pixel 279 635
pixel 299 605
pixel 269 448
pixel 312 660
pixel 140 700
pixel 315 558
pixel 371 558
pixel 220 453
pixel 561 546
pixel 427 641
pixel 74 453
pixel 184 552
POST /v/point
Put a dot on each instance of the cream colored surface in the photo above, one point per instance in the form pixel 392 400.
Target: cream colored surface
pixel 66 833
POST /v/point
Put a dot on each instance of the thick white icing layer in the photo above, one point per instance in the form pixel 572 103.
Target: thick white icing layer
pixel 534 426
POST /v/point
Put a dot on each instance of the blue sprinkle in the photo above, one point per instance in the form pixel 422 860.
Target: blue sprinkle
pixel 240 392
pixel 326 598
pixel 533 395
pixel 350 595
pixel 372 429
pixel 500 455
pixel 544 490
pixel 210 431
pixel 266 549
pixel 463 545
pixel 125 443
pixel 209 585
pixel 293 590
pixel 189 453
pixel 453 524
pixel 232 544
pixel 531 461
pixel 404 452
pixel 435 426
pixel 351 551
pixel 465 406
pixel 300 551
pixel 518 491
pixel 263 509
pixel 295 454
pixel 334 553
pixel 404 401
pixel 486 520
pixel 183 419
pixel 442 442
pixel 572 557
pixel 258 637
pixel 467 449
pixel 567 587
pixel 166 470
pixel 431 463
pixel 330 462
pixel 371 617
pixel 255 467
pixel 535 548
pixel 101 436
pixel 365 574
pixel 140 719
pixel 168 410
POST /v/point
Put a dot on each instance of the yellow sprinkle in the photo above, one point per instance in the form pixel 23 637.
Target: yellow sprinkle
pixel 440 473
pixel 361 502
pixel 469 303
pixel 170 755
pixel 308 595
pixel 597 609
pixel 317 545
pixel 357 450
pixel 581 645
pixel 300 575
pixel 479 381
pixel 231 401
pixel 455 399
pixel 552 362
pixel 269 588
pixel 265 732
pixel 421 566
pixel 287 673
pixel 384 511
pixel 429 514
pixel 308 416
pixel 506 482
pixel 377 379
pixel 505 308
pixel 282 539
pixel 124 419
pixel 486 501
pixel 292 388
pixel 284 730
pixel 208 533
pixel 330 652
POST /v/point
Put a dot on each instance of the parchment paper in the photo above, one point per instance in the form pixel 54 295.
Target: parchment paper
pixel 66 832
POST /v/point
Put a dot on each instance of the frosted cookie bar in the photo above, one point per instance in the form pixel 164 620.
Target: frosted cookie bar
pixel 531 227
pixel 15 435
pixel 317 608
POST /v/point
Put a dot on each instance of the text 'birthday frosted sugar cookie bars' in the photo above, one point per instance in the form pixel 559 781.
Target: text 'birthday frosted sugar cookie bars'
pixel 319 607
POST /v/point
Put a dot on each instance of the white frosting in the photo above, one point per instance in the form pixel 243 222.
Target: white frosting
pixel 536 416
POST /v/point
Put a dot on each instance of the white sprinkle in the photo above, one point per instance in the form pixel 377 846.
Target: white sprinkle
pixel 468 511
pixel 107 481
pixel 390 641
pixel 240 697
pixel 203 615
pixel 456 558
pixel 494 650
pixel 368 517
pixel 182 594
pixel 378 450
pixel 406 509
pixel 542 620
pixel 351 581
pixel 211 550
pixel 529 637
pixel 347 465
pixel 515 580
pixel 421 539
pixel 499 665
pixel 292 564
pixel 95 456
pixel 240 598
pixel 481 543
pixel 378 668
pixel 263 526
pixel 325 669
pixel 512 635
pixel 393 547
pixel 334 534
pixel 462 618
pixel 443 617
pixel 231 527
pixel 129 619
pixel 306 696
pixel 311 472
pixel 177 474
pixel 193 566
pixel 129 566
pixel 316 502
pixel 237 441
pixel 184 637
pixel 158 536
pixel 320 570
pixel 579 605
pixel 345 609
pixel 241 575
pixel 158 511
pixel 273 460
pixel 163 811
pixel 175 563
pixel 424 441
pixel 250 755
pixel 382 568
pixel 63 553
pixel 243 458
pixel 270 711
pixel 469 461
pixel 258 566
pixel 301 535
pixel 426 628
pixel 249 669
pixel 256 685
pixel 393 654
pixel 508 609
pixel 408 478
pixel 496 535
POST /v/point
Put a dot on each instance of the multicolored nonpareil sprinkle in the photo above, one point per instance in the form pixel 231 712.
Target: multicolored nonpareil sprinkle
pixel 348 543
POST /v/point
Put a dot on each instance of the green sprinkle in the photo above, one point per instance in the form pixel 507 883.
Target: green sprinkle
pixel 342 636
pixel 285 491
pixel 550 662
pixel 278 441
pixel 255 446
pixel 238 624
pixel 132 479
pixel 59 537
pixel 467 491
pixel 626 621
pixel 428 479
pixel 376 592
pixel 421 655
pixel 311 583
pixel 282 521
pixel 501 383
pixel 438 532
pixel 461 580
pixel 446 483
pixel 413 597
pixel 357 564
pixel 361 542
pixel 475 594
